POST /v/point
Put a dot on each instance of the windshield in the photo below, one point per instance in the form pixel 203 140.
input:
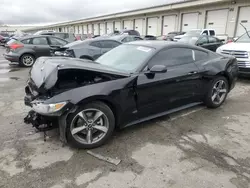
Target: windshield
pixel 189 39
pixel 126 57
pixel 244 38
pixel 193 32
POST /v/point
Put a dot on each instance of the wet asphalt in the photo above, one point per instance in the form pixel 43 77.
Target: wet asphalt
pixel 195 148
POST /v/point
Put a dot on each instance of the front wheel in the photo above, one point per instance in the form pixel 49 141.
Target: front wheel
pixel 90 126
pixel 217 92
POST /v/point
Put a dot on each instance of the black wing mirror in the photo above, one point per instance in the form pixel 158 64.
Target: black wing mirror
pixel 158 69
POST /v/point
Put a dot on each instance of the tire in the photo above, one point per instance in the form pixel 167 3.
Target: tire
pixel 212 99
pixel 81 138
pixel 27 60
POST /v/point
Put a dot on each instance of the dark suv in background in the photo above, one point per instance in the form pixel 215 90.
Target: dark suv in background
pixel 26 50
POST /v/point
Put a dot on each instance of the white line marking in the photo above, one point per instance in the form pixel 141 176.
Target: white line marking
pixel 186 114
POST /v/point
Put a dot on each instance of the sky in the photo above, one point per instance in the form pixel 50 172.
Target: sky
pixel 39 12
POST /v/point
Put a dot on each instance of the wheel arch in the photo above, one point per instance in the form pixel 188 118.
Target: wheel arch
pixel 86 57
pixel 227 76
pixel 106 100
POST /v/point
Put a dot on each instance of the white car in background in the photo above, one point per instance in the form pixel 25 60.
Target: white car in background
pixel 241 50
pixel 197 32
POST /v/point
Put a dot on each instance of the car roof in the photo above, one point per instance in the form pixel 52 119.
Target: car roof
pixel 158 45
pixel 37 36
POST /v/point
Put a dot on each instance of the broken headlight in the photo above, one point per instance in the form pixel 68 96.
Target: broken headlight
pixel 47 109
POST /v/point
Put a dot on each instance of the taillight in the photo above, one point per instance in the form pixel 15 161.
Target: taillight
pixel 15 46
pixel 229 41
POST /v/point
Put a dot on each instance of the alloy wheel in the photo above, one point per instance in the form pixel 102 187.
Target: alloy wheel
pixel 89 126
pixel 28 60
pixel 219 92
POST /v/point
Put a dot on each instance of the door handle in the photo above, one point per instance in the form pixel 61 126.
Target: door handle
pixel 193 72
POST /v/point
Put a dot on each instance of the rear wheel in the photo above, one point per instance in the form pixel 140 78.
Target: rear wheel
pixel 27 60
pixel 217 92
pixel 90 126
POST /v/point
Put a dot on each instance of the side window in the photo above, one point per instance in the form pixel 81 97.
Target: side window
pixel 96 44
pixel 212 40
pixel 109 44
pixel 138 38
pixel 40 41
pixel 199 55
pixel 56 41
pixel 212 33
pixel 205 32
pixel 26 41
pixel 203 40
pixel 172 57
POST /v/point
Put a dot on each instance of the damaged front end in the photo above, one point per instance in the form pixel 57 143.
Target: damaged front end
pixel 52 93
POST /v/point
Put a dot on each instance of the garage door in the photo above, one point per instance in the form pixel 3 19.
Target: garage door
pixel 76 30
pixel 169 23
pixel 128 24
pixel 90 29
pixel 85 29
pixel 189 21
pixel 244 18
pixel 217 20
pixel 139 25
pixel 117 26
pixel 96 29
pixel 152 26
pixel 102 28
pixel 80 29
pixel 110 27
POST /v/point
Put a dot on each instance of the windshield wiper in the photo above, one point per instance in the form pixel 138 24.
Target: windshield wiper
pixel 245 30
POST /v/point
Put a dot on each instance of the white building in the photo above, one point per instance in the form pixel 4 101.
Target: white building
pixel 11 29
pixel 224 16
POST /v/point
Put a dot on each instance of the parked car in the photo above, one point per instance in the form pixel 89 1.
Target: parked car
pixel 132 83
pixel 43 31
pixel 198 32
pixel 88 49
pixel 4 38
pixel 70 37
pixel 125 38
pixel 130 32
pixel 170 36
pixel 208 42
pixel 150 37
pixel 26 50
pixel 241 50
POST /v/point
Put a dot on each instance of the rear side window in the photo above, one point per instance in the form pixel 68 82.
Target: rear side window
pixel 199 55
pixel 26 41
pixel 56 41
pixel 96 44
pixel 109 44
pixel 40 41
pixel 212 33
pixel 173 57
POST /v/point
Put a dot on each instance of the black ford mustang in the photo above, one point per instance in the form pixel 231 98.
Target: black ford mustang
pixel 132 83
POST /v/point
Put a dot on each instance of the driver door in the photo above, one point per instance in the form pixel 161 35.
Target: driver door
pixel 160 92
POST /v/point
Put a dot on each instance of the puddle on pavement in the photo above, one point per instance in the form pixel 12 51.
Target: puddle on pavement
pixel 8 79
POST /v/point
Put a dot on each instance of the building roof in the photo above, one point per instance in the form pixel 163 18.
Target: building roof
pixel 118 14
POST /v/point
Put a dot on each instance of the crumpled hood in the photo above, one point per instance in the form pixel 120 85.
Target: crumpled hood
pixel 45 70
pixel 236 46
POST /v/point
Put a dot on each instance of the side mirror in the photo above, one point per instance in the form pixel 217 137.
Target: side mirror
pixel 158 69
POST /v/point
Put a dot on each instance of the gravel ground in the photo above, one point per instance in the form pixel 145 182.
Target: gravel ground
pixel 195 148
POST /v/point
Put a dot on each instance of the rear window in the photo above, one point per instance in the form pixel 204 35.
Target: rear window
pixel 11 41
